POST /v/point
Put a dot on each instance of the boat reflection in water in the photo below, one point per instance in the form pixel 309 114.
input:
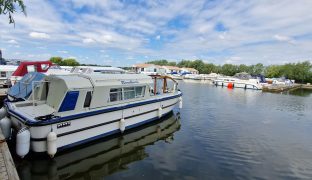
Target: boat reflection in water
pixel 99 159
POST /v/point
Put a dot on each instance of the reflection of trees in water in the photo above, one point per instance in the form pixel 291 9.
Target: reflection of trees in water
pixel 301 92
pixel 101 158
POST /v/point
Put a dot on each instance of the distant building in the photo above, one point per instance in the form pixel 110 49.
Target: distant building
pixel 148 69
pixel 185 70
pixel 172 70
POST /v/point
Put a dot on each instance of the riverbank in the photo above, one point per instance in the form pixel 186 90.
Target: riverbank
pixel 7 167
pixel 282 87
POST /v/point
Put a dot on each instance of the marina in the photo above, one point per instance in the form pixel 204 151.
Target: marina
pixel 46 127
pixel 155 90
pixel 227 143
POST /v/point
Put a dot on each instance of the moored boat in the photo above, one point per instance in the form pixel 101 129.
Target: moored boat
pixel 6 72
pixel 56 112
pixel 238 83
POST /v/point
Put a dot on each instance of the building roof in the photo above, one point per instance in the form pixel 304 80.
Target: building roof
pixel 171 67
pixel 190 69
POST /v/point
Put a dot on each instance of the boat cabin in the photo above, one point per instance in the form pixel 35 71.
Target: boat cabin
pixel 6 72
pixel 68 94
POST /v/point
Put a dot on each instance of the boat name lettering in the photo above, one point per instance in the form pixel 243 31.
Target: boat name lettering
pixel 64 124
pixel 129 81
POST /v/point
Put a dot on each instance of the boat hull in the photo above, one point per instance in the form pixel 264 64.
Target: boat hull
pixel 85 129
pixel 238 85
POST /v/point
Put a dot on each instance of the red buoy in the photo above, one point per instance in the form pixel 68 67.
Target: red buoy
pixel 230 85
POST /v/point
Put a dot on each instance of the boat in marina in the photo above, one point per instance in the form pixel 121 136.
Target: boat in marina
pixel 6 72
pixel 193 76
pixel 96 69
pixel 45 67
pixel 101 158
pixel 232 82
pixel 56 112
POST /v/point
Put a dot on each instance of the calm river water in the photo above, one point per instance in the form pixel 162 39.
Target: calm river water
pixel 219 134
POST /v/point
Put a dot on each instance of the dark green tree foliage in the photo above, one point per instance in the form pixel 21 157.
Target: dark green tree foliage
pixel 70 62
pixel 301 71
pixel 159 62
pixel 64 62
pixel 56 60
pixel 8 7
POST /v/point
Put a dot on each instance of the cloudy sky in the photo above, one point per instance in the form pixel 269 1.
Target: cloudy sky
pixel 121 33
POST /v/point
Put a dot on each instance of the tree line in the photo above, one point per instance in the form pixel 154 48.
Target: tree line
pixel 300 71
pixel 64 62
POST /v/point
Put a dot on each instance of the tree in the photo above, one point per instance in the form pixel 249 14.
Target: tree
pixel 9 7
pixel 229 69
pixel 70 62
pixel 243 68
pixel 257 69
pixel 56 60
pixel 273 71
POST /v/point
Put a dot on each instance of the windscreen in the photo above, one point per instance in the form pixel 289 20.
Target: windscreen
pixel 23 88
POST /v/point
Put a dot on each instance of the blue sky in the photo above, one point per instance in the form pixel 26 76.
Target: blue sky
pixel 122 33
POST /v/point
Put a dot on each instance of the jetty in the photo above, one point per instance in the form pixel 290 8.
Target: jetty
pixel 7 167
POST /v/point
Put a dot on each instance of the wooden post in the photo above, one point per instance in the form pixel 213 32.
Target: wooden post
pixel 165 85
pixel 155 81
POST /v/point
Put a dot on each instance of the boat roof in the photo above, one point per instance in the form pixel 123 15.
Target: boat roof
pixel 8 67
pixel 73 81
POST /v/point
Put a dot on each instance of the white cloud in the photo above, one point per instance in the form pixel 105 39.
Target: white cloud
pixel 62 51
pixel 12 41
pixel 39 35
pixel 88 40
pixel 283 38
pixel 187 29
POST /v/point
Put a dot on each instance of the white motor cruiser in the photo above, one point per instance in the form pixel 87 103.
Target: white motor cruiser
pixel 240 80
pixel 238 83
pixel 56 112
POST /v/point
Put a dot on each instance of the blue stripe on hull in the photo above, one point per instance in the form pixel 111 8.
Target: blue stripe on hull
pixel 32 122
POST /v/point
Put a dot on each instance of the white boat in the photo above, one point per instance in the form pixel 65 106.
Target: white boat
pixel 45 67
pixel 97 69
pixel 193 76
pixel 231 82
pixel 176 76
pixel 211 76
pixel 56 112
pixel 6 72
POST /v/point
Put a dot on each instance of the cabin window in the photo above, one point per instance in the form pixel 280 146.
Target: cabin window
pixel 115 94
pixel 69 102
pixel 44 66
pixel 88 98
pixel 31 68
pixel 129 93
pixel 3 74
pixel 139 91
